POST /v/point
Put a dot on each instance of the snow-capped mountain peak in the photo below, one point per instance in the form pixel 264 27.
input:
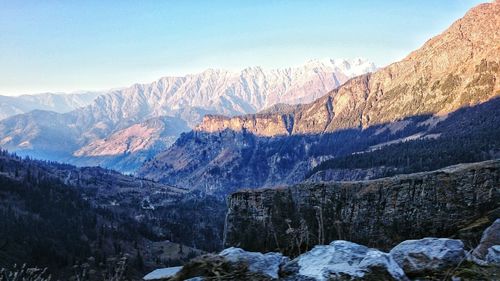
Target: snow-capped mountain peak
pixel 350 67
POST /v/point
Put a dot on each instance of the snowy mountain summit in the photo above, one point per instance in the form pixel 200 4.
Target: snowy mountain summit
pixel 349 67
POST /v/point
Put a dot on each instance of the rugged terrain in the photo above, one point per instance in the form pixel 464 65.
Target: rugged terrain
pixel 125 149
pixel 378 213
pixel 57 216
pixel 437 93
pixel 428 258
pixel 112 119
pixel 227 161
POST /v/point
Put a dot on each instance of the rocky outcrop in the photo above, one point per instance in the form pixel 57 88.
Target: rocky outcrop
pixel 407 100
pixel 493 255
pixel 266 264
pixel 343 259
pixel 491 237
pixel 424 259
pixel 266 125
pixel 378 213
pixel 240 265
pixel 428 255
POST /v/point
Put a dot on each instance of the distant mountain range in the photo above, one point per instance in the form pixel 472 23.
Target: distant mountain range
pixel 122 128
pixel 57 102
pixel 441 101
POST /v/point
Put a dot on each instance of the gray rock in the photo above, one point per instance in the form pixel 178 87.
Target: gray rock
pixel 491 237
pixel 267 264
pixel 381 264
pixel 493 255
pixel 343 259
pixel 428 254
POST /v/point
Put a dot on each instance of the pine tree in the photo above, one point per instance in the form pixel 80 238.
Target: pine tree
pixel 139 261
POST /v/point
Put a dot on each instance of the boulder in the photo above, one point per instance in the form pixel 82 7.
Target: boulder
pixel 493 255
pixel 428 255
pixel 380 264
pixel 162 273
pixel 218 267
pixel 491 237
pixel 266 264
pixel 343 260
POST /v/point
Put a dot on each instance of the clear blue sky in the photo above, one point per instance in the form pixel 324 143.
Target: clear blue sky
pixel 78 45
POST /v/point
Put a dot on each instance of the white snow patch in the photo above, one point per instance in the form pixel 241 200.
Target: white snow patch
pixel 433 121
pixel 393 127
pixel 162 273
pixel 409 138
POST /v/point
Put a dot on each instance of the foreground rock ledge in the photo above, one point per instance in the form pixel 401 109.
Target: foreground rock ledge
pixel 423 259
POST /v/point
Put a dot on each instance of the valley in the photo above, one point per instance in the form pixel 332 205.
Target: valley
pixel 334 169
pixel 101 215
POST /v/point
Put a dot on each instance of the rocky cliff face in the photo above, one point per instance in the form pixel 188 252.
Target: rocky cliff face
pixel 267 125
pixel 422 259
pixel 378 213
pixel 403 101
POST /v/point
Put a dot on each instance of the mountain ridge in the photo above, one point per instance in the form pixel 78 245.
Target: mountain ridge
pixel 441 54
pixel 58 102
pixel 457 69
pixel 186 99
